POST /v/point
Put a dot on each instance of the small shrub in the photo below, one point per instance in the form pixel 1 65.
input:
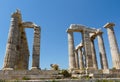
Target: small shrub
pixel 16 81
pixel 87 77
pixel 104 80
pixel 65 73
pixel 2 80
pixel 26 78
pixel 54 81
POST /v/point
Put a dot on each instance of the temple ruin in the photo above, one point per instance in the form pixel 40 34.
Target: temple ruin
pixel 17 52
pixel 83 56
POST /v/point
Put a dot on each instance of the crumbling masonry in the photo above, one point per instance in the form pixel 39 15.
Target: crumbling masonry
pixel 17 52
pixel 83 56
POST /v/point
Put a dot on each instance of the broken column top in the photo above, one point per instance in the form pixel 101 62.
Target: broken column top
pixel 16 13
pixel 110 24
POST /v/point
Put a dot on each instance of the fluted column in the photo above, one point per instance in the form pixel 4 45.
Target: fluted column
pixel 12 49
pixel 95 65
pixel 76 59
pixel 81 58
pixel 87 48
pixel 36 49
pixel 72 63
pixel 102 52
pixel 113 45
pixel 26 53
pixel 23 60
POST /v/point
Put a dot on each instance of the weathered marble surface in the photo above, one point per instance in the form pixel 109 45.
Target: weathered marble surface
pixel 17 52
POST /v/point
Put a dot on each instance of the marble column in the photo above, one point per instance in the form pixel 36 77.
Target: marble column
pixel 72 63
pixel 113 45
pixel 36 49
pixel 24 52
pixel 12 48
pixel 81 58
pixel 87 48
pixel 76 59
pixel 95 65
pixel 102 52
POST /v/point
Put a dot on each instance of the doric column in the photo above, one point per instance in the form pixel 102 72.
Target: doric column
pixel 12 49
pixel 92 36
pixel 81 58
pixel 113 45
pixel 72 63
pixel 102 52
pixel 24 52
pixel 36 49
pixel 76 59
pixel 87 48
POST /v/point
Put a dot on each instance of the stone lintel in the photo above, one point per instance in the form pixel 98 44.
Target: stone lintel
pixel 78 27
pixel 29 24
pixel 73 30
pixel 110 24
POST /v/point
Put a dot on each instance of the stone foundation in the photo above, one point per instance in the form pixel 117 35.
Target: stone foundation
pixel 30 74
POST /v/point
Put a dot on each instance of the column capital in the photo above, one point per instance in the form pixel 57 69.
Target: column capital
pixel 99 32
pixel 108 25
pixel 79 46
pixel 92 36
pixel 69 31
pixel 113 45
pixel 72 63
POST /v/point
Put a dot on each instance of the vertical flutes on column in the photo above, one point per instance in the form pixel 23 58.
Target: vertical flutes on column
pixel 36 48
pixel 72 63
pixel 104 63
pixel 113 45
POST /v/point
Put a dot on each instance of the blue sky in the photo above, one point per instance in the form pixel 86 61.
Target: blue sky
pixel 54 17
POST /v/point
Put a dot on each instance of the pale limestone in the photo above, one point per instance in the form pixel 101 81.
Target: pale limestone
pixel 17 52
pixel 104 63
pixel 72 63
pixel 81 61
pixel 76 59
pixel 113 45
pixel 95 65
